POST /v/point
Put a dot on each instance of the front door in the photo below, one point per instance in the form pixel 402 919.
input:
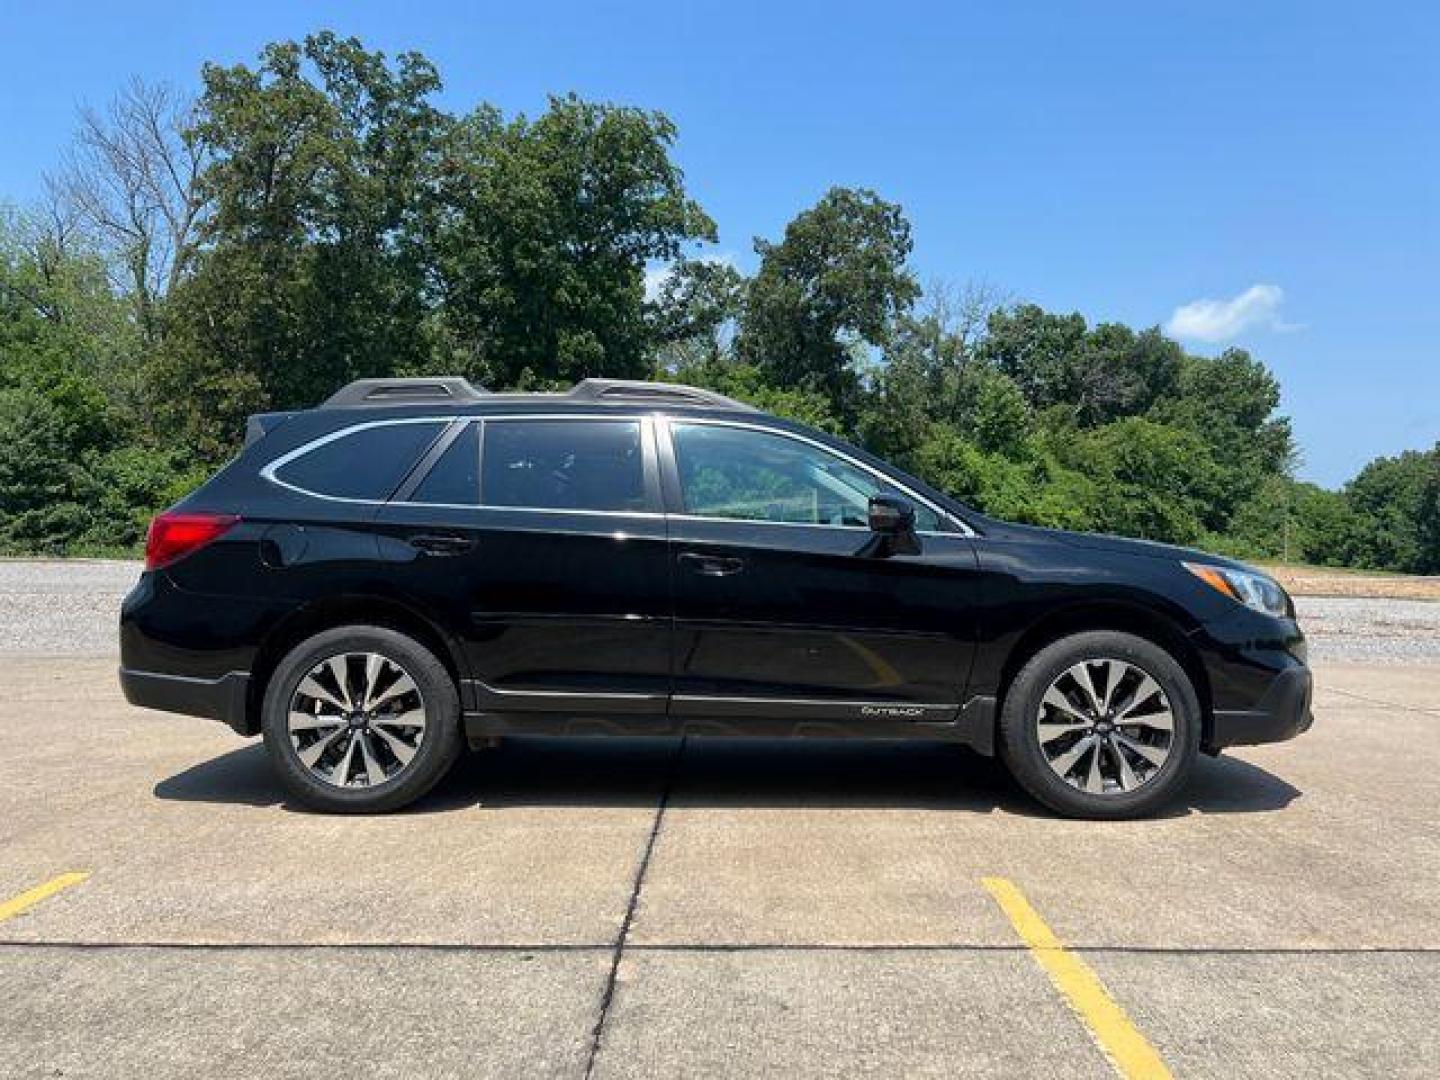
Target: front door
pixel 781 611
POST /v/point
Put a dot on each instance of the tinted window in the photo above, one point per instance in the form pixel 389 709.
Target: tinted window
pixel 455 478
pixel 757 476
pixel 364 464
pixel 563 464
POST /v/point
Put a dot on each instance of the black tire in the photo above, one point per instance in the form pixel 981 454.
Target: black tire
pixel 438 747
pixel 1020 740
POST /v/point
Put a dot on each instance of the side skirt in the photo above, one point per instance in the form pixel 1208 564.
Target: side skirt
pixel 972 724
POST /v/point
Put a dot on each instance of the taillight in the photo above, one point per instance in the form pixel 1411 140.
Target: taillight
pixel 174 535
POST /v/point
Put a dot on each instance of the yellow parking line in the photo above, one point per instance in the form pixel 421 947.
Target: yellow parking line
pixel 26 900
pixel 1120 1040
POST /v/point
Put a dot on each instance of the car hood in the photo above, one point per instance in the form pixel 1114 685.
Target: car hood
pixel 1116 545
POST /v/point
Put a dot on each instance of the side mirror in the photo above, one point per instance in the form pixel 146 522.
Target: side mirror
pixel 890 515
pixel 892 520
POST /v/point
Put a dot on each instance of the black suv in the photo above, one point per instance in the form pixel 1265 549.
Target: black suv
pixel 418 562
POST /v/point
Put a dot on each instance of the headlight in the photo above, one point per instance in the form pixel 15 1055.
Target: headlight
pixel 1253 590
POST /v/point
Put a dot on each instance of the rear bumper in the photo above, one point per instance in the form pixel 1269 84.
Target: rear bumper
pixel 1282 712
pixel 222 698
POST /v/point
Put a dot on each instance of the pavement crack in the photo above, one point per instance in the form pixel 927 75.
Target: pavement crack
pixel 607 996
pixel 702 948
pixel 1383 704
pixel 536 948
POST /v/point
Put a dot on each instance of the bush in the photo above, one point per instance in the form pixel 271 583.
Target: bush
pixel 1154 481
pixel 1396 502
pixel 44 487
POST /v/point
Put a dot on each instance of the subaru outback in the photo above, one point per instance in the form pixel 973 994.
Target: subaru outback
pixel 418 563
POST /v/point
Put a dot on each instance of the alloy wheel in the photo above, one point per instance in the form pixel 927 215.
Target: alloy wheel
pixel 356 720
pixel 1105 726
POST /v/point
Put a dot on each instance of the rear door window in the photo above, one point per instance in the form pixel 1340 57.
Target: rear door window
pixel 564 465
pixel 455 477
pixel 365 463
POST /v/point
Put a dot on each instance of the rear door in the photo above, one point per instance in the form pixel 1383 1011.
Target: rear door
pixel 543 540
pixel 781 611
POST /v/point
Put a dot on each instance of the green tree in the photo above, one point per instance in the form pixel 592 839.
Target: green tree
pixel 1099 375
pixel 43 486
pixel 1229 402
pixel 547 230
pixel 75 464
pixel 1002 416
pixel 1290 520
pixel 694 314
pixel 1155 481
pixel 1428 527
pixel 1120 373
pixel 1036 489
pixel 313 262
pixel 748 383
pixel 1396 497
pixel 929 374
pixel 1039 350
pixel 835 283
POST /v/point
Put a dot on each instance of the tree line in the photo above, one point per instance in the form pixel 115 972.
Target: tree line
pixel 316 218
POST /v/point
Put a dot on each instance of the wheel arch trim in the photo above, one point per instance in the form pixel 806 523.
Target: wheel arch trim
pixel 1118 616
pixel 358 609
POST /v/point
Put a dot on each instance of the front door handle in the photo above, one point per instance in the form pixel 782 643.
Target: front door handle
pixel 711 565
pixel 441 543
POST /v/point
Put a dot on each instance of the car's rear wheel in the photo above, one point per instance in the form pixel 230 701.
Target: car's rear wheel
pixel 361 719
pixel 1101 725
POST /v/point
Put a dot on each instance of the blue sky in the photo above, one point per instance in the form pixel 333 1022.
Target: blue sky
pixel 1122 160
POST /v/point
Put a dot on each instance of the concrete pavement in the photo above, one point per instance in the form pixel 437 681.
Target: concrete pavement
pixel 643 909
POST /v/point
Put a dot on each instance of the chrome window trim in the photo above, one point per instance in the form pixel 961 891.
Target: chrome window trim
pixel 888 481
pixel 653 421
pixel 804 524
pixel 268 472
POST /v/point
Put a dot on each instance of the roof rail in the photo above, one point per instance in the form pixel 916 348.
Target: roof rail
pixel 373 393
pixel 441 389
pixel 631 391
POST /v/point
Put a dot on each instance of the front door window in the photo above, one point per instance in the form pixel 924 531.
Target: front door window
pixel 748 475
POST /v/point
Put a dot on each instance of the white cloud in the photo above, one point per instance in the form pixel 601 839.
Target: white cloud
pixel 1221 320
pixel 656 273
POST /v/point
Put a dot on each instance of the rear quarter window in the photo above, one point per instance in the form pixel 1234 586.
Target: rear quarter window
pixel 362 463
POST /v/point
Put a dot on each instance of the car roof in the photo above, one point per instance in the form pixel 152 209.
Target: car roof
pixel 370 401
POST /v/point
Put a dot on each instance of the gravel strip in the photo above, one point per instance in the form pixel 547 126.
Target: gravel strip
pixel 69 608
pixel 1377 631
pixel 62 608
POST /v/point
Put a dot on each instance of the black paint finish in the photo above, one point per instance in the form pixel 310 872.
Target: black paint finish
pixel 646 621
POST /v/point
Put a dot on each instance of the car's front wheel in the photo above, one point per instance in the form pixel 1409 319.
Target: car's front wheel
pixel 1101 725
pixel 361 719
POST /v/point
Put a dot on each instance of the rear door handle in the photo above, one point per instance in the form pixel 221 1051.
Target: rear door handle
pixel 441 544
pixel 711 565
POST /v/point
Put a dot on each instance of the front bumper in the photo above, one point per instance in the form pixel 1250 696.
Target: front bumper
pixel 222 698
pixel 1282 712
pixel 1259 684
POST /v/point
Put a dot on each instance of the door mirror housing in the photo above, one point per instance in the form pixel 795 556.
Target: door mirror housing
pixel 890 515
pixel 892 521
